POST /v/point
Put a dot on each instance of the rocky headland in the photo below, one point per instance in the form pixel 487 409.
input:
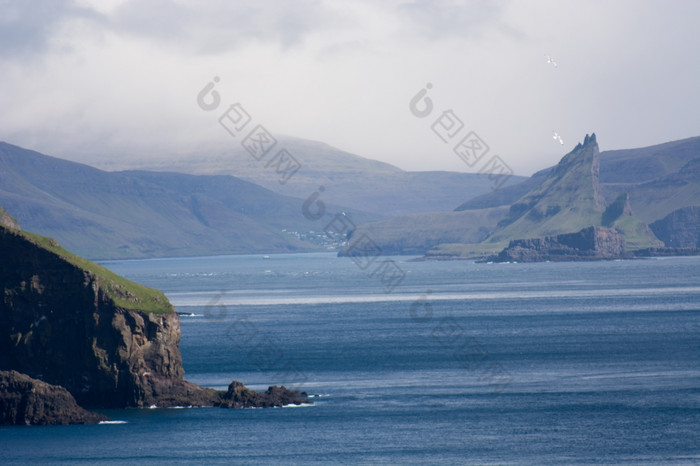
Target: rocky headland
pixel 592 243
pixel 108 342
pixel 28 401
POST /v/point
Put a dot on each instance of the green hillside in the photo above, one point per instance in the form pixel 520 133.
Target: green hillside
pixel 568 200
pixel 645 172
pixel 563 199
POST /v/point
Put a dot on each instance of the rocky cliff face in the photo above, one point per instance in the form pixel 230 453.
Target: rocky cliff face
pixel 680 228
pixel 70 326
pixel 592 243
pixel 27 401
pixel 110 342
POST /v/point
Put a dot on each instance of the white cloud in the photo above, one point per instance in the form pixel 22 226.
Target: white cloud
pixel 98 77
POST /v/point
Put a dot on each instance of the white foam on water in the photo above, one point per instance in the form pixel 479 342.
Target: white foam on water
pixel 302 405
pixel 113 422
pixel 263 298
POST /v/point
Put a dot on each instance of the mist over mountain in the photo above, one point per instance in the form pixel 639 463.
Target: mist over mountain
pixel 347 179
pixel 102 214
pixel 146 213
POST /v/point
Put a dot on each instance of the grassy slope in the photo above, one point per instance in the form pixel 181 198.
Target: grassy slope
pixel 565 202
pixel 124 293
pixel 417 233
pixel 662 196
pixel 624 171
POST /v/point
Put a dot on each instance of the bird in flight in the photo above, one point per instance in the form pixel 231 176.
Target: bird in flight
pixel 551 61
pixel 556 137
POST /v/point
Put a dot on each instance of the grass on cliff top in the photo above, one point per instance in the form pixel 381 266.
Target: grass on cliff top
pixel 125 293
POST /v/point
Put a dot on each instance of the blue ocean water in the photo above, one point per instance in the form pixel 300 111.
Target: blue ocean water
pixel 459 363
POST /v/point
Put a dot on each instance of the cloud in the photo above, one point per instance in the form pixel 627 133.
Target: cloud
pixel 216 27
pixel 438 18
pixel 27 27
pixel 95 75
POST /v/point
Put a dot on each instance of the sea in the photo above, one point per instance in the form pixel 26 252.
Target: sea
pixel 439 362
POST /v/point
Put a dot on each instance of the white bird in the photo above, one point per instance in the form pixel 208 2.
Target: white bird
pixel 556 137
pixel 550 60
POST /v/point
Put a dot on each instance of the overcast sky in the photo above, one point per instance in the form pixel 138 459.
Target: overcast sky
pixel 104 77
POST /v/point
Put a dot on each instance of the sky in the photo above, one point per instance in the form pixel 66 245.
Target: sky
pixel 101 78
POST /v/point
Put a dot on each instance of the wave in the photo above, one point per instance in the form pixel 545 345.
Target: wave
pixel 113 422
pixel 302 405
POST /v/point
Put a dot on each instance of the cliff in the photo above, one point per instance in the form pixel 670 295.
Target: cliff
pixel 592 243
pixel 568 199
pixel 110 342
pixel 680 228
pixel 27 401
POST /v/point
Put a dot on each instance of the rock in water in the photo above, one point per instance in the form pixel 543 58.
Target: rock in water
pixel 27 401
pixel 238 396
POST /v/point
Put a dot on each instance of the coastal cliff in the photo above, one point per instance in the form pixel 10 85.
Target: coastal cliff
pixel 109 342
pixel 592 243
pixel 680 228
pixel 27 401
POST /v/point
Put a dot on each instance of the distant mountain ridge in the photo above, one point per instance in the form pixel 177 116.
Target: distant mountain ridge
pixel 102 214
pixel 627 170
pixel 348 179
pixel 560 200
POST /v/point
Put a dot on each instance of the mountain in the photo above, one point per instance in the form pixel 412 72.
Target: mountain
pixel 564 199
pixel 349 180
pixel 567 200
pixel 102 214
pixel 418 233
pixel 643 172
pixel 680 228
pixel 506 195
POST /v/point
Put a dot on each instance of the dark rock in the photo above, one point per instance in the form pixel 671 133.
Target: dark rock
pixel 68 322
pixel 59 324
pixel 661 252
pixel 680 228
pixel 238 396
pixel 27 401
pixel 592 243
